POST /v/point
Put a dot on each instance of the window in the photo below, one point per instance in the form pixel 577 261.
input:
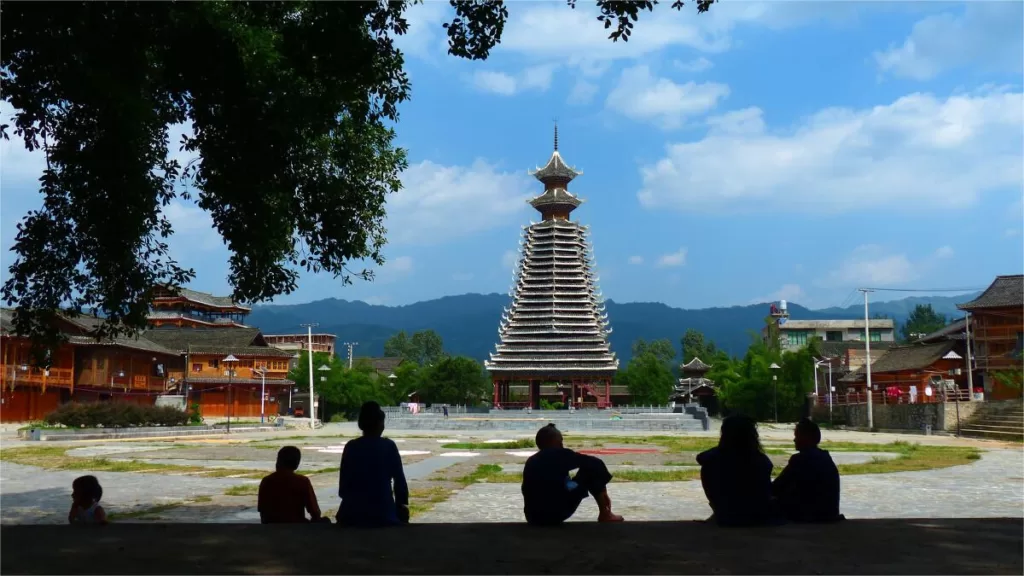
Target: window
pixel 245 364
pixel 214 363
pixel 876 335
pixel 797 338
pixel 197 367
pixel 834 336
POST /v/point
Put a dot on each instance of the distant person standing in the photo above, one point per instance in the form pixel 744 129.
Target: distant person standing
pixel 808 488
pixel 445 408
pixel 284 496
pixel 372 483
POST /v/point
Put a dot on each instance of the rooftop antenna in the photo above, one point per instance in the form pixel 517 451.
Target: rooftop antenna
pixel 556 134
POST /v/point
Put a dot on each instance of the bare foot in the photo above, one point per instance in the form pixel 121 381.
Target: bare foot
pixel 609 517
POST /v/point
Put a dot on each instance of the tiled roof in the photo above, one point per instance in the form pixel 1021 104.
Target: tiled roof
pixel 695 365
pixel 384 365
pixel 1004 291
pixel 207 299
pixel 132 342
pixel 833 349
pixel 181 339
pixel 954 330
pixel 241 351
pixel 900 358
pixel 224 380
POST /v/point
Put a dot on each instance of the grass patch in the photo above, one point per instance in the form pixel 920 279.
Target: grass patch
pixel 523 443
pixel 424 499
pixel 56 458
pixel 679 463
pixel 328 470
pixel 151 510
pixel 671 444
pixel 489 473
pixel 243 490
pixel 912 458
pixel 655 475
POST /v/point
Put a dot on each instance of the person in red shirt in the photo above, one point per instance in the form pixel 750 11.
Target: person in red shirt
pixel 285 496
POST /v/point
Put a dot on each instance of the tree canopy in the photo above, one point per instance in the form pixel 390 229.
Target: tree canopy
pixel 454 380
pixel 660 349
pixel 648 378
pixel 291 106
pixel 921 321
pixel 424 347
pixel 694 346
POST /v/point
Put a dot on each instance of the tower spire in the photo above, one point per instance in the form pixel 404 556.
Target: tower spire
pixel 556 135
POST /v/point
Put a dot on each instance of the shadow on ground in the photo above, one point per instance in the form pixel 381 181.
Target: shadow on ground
pixel 927 546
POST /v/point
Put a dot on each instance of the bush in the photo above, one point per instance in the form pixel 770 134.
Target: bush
pixel 194 417
pixel 115 415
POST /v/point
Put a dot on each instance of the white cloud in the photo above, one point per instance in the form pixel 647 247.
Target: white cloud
pixel 532 78
pixel 582 92
pixel 870 265
pixel 636 260
pixel 394 269
pixel 944 252
pixel 432 195
pixel 788 292
pixel 985 36
pixel 509 259
pixel 694 66
pixel 641 96
pixel 193 228
pixel 677 258
pixel 918 152
pixel 426 37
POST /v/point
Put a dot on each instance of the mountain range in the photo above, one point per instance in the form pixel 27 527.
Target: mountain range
pixel 468 323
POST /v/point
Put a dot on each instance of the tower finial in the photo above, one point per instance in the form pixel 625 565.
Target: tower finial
pixel 556 135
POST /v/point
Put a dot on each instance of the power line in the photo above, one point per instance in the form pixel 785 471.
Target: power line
pixel 923 289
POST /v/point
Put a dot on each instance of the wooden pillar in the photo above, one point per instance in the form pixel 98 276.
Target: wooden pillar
pixel 529 388
pixel 496 385
pixel 608 392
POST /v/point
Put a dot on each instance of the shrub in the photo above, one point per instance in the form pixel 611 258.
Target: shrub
pixel 194 417
pixel 115 415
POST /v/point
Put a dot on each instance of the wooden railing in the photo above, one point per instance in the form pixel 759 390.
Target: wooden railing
pixel 1005 332
pixel 904 397
pixel 13 373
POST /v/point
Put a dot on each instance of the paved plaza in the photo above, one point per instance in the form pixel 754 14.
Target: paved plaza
pixel 990 487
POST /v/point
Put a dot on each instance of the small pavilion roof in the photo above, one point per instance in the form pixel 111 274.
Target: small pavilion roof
pixel 695 365
pixel 1004 291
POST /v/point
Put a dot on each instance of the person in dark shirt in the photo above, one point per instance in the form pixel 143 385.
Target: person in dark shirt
pixel 285 496
pixel 808 488
pixel 737 476
pixel 369 466
pixel 550 495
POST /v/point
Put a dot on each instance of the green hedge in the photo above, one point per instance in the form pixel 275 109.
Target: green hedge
pixel 115 415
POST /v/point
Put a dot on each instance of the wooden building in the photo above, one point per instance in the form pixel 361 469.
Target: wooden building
pixel 183 308
pixel 694 387
pixel 997 330
pixel 556 331
pixel 904 374
pixel 131 369
pixel 322 342
pixel 224 370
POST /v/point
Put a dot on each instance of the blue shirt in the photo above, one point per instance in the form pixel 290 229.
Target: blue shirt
pixel 369 465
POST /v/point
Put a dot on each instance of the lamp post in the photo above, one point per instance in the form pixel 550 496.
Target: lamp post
pixel 263 389
pixel 323 369
pixel 309 331
pixel 775 389
pixel 230 362
pixel 829 385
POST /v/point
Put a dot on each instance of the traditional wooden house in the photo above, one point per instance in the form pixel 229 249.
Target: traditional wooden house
pixel 907 373
pixel 997 331
pixel 694 387
pixel 84 369
pixel 225 370
pixel 183 308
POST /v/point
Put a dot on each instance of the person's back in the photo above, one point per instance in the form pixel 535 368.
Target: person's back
pixel 284 496
pixel 369 464
pixel 739 490
pixel 808 488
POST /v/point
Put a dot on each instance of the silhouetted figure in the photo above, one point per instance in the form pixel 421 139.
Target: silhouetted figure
pixel 445 408
pixel 369 465
pixel 550 495
pixel 808 488
pixel 737 476
pixel 285 496
pixel 86 493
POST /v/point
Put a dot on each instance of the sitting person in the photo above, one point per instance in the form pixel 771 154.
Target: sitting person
pixel 808 488
pixel 285 496
pixel 550 495
pixel 86 493
pixel 737 476
pixel 369 465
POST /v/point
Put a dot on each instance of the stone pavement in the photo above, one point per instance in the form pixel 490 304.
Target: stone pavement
pixel 990 488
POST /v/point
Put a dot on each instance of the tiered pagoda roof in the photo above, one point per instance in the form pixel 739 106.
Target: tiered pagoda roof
pixel 556 326
pixel 182 307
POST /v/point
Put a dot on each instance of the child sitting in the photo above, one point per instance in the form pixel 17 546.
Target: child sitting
pixel 285 496
pixel 85 501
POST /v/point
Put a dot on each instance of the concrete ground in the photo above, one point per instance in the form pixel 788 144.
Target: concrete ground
pixel 932 546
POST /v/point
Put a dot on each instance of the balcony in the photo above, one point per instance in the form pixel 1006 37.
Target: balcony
pixel 14 374
pixel 988 333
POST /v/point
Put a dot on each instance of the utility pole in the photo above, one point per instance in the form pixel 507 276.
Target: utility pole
pixel 312 412
pixel 867 355
pixel 350 346
pixel 970 364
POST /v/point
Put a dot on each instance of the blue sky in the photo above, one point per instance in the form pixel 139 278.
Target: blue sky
pixel 789 150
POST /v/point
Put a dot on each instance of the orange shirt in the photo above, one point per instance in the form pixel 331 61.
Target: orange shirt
pixel 285 497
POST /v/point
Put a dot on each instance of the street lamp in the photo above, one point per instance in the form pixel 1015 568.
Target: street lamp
pixel 775 389
pixel 230 361
pixel 819 363
pixel 391 379
pixel 263 389
pixel 324 369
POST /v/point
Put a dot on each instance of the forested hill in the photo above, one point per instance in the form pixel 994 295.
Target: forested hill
pixel 469 323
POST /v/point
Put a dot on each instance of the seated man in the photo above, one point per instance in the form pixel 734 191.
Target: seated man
pixel 808 488
pixel 372 483
pixel 285 496
pixel 550 495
